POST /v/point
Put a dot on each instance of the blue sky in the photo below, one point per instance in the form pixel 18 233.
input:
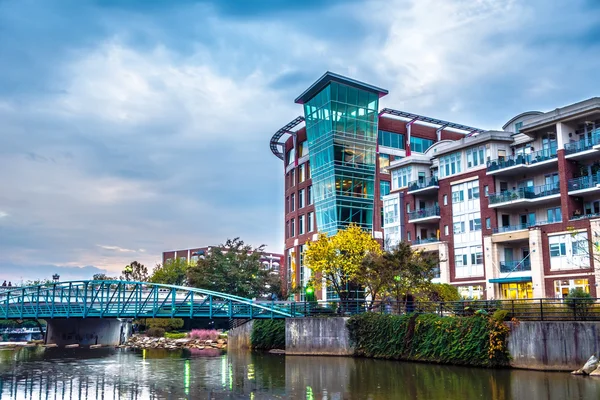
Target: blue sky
pixel 132 127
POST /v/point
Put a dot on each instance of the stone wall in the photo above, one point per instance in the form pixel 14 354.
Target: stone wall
pixel 239 337
pixel 317 336
pixel 553 345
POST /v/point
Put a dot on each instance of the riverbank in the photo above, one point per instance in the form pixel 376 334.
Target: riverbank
pixel 145 342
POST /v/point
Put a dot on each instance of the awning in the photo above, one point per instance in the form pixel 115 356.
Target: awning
pixel 511 279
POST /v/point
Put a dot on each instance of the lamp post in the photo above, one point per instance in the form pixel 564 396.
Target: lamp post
pixel 55 277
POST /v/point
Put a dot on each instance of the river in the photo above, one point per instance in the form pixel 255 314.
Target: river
pixel 38 373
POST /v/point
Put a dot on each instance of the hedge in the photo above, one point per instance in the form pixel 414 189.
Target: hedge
pixel 268 334
pixel 476 340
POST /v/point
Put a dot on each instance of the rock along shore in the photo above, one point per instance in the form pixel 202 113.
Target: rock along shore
pixel 144 342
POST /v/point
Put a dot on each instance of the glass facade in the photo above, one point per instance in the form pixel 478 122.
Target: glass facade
pixel 341 126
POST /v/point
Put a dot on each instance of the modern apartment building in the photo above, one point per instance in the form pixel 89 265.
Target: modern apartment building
pixel 512 213
pixel 335 160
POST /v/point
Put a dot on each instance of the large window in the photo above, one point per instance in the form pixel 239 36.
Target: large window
pixel 390 212
pixel 303 149
pixel 401 177
pixel 450 165
pixel 301 172
pixel 569 251
pixel 309 197
pixel 475 156
pixel 301 198
pixel 384 161
pixel 391 139
pixel 474 222
pixel 384 188
pixel 292 202
pixel 419 145
pixel 292 227
pixel 554 214
pixel 563 287
pixel 301 225
pixel 291 156
pixel 309 222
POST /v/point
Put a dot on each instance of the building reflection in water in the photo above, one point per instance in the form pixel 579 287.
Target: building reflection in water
pixel 160 374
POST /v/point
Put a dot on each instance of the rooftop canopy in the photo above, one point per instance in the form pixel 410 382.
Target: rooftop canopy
pixel 329 77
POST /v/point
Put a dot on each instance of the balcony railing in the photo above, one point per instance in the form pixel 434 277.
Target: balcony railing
pixel 422 184
pixel 510 228
pixel 425 241
pixel 515 266
pixel 584 182
pixel 424 213
pixel 522 159
pixel 583 144
pixel 585 216
pixel 532 192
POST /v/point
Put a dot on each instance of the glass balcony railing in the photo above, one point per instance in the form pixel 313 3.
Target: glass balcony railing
pixel 585 216
pixel 583 144
pixel 424 213
pixel 584 182
pixel 422 184
pixel 522 159
pixel 532 192
pixel 511 228
pixel 425 241
pixel 515 266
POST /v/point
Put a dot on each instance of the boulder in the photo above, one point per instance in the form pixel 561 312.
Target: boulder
pixel 578 372
pixel 277 351
pixel 590 365
pixel 71 346
pixel 595 372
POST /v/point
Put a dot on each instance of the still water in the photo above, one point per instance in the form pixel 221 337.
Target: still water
pixel 37 373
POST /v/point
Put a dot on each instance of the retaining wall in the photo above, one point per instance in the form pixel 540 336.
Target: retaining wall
pixel 88 331
pixel 317 336
pixel 239 337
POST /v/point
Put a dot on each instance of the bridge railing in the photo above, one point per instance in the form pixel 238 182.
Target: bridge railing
pixel 541 309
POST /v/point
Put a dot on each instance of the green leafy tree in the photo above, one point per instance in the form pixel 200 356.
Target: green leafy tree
pixel 173 272
pixel 135 272
pixel 234 268
pixel 375 276
pixel 103 277
pixel 580 302
pixel 443 292
pixel 339 258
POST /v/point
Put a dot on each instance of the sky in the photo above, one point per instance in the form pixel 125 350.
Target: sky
pixel 128 128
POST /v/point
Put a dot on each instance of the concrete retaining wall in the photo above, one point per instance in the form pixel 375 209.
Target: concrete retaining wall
pixel 317 336
pixel 553 345
pixel 239 338
pixel 89 331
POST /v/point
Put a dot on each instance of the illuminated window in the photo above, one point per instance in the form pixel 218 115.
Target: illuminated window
pixel 301 173
pixel 384 161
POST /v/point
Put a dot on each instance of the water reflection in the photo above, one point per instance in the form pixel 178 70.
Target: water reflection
pixel 37 373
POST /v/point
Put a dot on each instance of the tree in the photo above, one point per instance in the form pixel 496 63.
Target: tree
pixel 103 277
pixel 233 268
pixel 339 258
pixel 589 247
pixel 135 272
pixel 375 276
pixel 444 292
pixel 173 272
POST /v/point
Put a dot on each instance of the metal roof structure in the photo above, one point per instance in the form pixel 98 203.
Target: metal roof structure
pixel 441 123
pixel 329 77
pixel 277 147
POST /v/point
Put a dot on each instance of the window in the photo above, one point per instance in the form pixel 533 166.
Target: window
pixel 554 214
pixel 384 188
pixel 558 250
pixel 475 156
pixel 303 149
pixel 473 193
pixel 474 222
pixel 309 198
pixel 419 145
pixel 390 211
pixel 457 194
pixel 518 126
pixel 407 208
pixel 401 177
pixel 391 139
pixel 301 225
pixel 446 230
pixel 501 154
pixel 486 190
pixel 450 165
pixel 476 255
pixel 291 157
pixel 293 178
pixel 287 229
pixel 459 227
pixel 301 173
pixel 488 223
pixel 292 202
pixel 460 260
pixel 309 222
pixel 292 227
pixel 301 198
pixel 287 204
pixel 384 161
pixel 408 236
pixel 287 180
pixel 445 199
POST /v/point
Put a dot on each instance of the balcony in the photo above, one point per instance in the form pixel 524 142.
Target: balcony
pixel 522 162
pixel 511 228
pixel 585 148
pixel 515 266
pixel 425 241
pixel 423 186
pixel 430 214
pixel 527 195
pixel 585 216
pixel 584 184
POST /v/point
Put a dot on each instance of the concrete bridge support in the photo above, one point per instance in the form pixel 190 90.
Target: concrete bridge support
pixel 88 331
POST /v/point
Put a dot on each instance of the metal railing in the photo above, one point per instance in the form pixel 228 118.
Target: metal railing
pixel 533 192
pixel 424 213
pixel 515 266
pixel 422 184
pixel 585 216
pixel 522 159
pixel 511 228
pixel 425 241
pixel 584 182
pixel 583 144
pixel 548 309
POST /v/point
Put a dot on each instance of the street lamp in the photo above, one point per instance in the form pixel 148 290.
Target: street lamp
pixel 55 277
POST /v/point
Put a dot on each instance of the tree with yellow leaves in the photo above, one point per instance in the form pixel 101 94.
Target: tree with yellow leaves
pixel 338 259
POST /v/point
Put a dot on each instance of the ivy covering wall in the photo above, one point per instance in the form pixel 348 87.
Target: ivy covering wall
pixel 477 340
pixel 268 334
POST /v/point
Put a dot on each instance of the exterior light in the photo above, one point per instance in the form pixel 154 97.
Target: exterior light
pixel 55 277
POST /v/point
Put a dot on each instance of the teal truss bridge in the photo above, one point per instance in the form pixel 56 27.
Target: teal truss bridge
pixel 124 299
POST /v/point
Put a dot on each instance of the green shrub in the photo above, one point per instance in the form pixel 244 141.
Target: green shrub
pixel 500 315
pixel 155 332
pixel 580 302
pixel 175 335
pixel 268 334
pixel 168 324
pixel 475 340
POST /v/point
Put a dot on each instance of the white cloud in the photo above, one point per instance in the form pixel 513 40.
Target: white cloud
pixel 3 214
pixel 117 249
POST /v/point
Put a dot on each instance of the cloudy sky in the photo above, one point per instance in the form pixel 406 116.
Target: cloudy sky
pixel 132 127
